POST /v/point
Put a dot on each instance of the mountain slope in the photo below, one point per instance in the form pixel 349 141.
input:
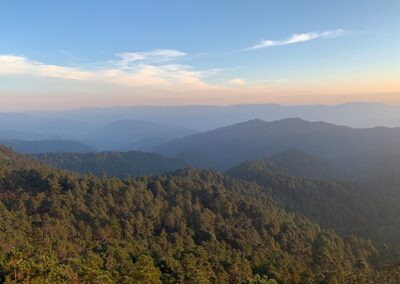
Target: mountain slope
pixel 12 160
pixel 47 146
pixel 383 173
pixel 195 159
pixel 342 146
pixel 191 226
pixel 131 134
pixel 113 164
pixel 301 164
pixel 345 207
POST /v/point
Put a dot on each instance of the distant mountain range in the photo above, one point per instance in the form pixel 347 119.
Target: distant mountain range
pixel 144 128
pixel 44 125
pixel 328 146
pixel 129 134
pixel 25 135
pixel 205 117
pixel 344 147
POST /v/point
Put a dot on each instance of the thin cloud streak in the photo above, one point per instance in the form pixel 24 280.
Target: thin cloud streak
pixel 298 38
pixel 155 56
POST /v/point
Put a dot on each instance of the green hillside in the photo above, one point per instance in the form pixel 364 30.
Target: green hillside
pixel 187 227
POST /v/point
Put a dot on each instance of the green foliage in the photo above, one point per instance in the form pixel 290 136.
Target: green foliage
pixel 144 271
pixel 188 227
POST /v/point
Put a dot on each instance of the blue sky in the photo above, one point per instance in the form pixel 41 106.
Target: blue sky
pixel 64 54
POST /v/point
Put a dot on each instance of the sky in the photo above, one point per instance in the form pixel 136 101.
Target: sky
pixel 68 54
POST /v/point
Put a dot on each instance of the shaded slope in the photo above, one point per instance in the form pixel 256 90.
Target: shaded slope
pixel 47 146
pixel 344 207
pixel 301 164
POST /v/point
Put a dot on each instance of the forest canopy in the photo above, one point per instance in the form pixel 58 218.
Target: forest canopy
pixel 191 226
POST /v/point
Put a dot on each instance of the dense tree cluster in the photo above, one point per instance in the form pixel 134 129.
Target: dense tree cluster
pixel 112 164
pixel 346 207
pixel 188 227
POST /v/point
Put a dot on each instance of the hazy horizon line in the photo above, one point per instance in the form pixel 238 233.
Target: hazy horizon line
pixel 205 105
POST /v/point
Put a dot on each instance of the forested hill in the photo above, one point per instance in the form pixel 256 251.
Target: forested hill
pixel 10 159
pixel 113 164
pixel 188 227
pixel 346 207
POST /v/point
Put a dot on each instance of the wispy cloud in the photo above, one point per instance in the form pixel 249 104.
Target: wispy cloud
pixel 170 76
pixel 126 59
pixel 297 38
pixel 143 73
pixel 18 65
pixel 237 81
